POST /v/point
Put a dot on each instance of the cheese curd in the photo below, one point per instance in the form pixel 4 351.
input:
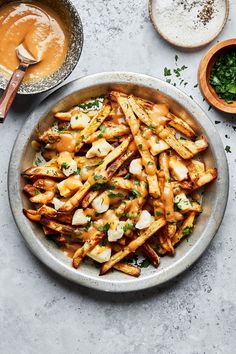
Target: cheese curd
pixel 79 120
pixel 101 203
pixel 67 164
pixel 157 145
pixel 145 220
pixel 182 201
pixel 57 203
pixel 39 160
pixel 100 254
pixel 100 148
pixel 135 167
pixel 79 218
pixel 178 169
pixel 69 185
pixel 117 233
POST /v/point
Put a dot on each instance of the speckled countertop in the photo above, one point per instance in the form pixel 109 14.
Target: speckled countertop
pixel 196 313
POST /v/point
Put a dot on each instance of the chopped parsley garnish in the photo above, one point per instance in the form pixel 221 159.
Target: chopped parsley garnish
pixel 228 149
pixel 169 180
pixel 137 193
pixel 115 195
pixel 223 76
pixel 127 176
pixel 158 213
pixel 37 191
pixel 87 226
pixel 167 72
pixel 65 165
pixel 38 161
pixel 150 163
pixel 102 128
pixel 140 146
pixel 90 105
pixel 217 121
pixel 104 228
pixel 103 242
pixel 145 263
pixel 187 230
pixel 101 186
pixel 42 148
pixel 97 177
pixel 128 226
pixel 78 171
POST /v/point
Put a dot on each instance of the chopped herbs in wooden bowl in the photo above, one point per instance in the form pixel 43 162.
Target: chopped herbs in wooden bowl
pixel 223 76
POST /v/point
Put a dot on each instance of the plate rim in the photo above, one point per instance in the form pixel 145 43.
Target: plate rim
pixel 38 249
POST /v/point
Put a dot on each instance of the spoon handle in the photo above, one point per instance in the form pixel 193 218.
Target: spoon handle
pixel 11 90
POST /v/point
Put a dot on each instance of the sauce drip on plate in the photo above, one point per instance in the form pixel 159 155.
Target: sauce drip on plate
pixel 42 33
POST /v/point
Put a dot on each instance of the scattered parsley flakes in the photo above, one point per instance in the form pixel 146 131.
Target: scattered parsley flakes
pixel 217 121
pixel 104 228
pixel 78 172
pixel 102 128
pixel 167 72
pixel 115 195
pixel 65 165
pixel 228 149
pixel 145 263
pixel 37 191
pixel 187 230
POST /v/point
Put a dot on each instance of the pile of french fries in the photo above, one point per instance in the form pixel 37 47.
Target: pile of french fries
pixel 117 177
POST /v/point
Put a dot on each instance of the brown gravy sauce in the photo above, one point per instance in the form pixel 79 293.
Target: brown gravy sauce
pixel 42 33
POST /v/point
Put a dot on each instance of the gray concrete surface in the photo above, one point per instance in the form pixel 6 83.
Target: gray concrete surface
pixel 194 314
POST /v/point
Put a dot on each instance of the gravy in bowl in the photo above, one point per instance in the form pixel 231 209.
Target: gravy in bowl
pixel 42 33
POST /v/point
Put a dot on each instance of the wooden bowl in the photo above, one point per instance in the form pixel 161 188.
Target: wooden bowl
pixel 204 73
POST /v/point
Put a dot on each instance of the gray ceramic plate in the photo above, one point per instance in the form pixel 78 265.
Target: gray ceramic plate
pixel 146 87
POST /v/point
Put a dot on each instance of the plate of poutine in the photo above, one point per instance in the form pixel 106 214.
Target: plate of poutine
pixel 119 179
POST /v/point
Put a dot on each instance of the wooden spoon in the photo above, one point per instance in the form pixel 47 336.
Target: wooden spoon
pixel 9 94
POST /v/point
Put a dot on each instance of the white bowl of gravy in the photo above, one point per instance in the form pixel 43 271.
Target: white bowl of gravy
pixel 50 30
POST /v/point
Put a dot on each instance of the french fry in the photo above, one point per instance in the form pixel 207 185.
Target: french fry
pixel 61 228
pixel 31 190
pixel 109 133
pixel 94 124
pixel 43 171
pixel 131 150
pixel 43 198
pixel 149 252
pixel 87 247
pixel 63 116
pixel 207 177
pixel 84 161
pixel 74 201
pixel 128 269
pixel 114 154
pixel 185 229
pixel 197 146
pixel 47 184
pixel 181 125
pixel 133 245
pixel 176 144
pixel 31 214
